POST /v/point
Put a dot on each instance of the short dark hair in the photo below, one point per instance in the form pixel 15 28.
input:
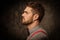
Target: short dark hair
pixel 38 7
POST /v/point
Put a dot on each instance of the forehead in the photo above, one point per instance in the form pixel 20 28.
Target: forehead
pixel 28 9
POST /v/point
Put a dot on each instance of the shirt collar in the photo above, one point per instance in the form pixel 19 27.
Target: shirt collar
pixel 34 29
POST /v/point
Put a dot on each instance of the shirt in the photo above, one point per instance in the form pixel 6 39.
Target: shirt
pixel 37 33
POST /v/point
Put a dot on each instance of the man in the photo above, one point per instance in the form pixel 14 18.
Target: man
pixel 32 17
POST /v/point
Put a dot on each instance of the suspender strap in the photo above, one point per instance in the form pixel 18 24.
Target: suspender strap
pixel 38 31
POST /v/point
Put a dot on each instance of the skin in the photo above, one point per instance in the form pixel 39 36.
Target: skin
pixel 29 18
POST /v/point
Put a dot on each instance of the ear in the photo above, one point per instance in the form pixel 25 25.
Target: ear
pixel 35 17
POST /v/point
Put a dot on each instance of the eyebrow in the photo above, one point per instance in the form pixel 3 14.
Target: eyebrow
pixel 25 11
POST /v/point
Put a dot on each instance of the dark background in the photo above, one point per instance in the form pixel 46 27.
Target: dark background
pixel 10 19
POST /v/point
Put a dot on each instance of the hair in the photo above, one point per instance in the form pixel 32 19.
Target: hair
pixel 38 8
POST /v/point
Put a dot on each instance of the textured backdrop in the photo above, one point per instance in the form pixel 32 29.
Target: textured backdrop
pixel 10 19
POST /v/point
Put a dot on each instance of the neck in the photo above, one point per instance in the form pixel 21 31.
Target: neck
pixel 32 25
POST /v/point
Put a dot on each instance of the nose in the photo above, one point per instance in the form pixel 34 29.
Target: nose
pixel 23 14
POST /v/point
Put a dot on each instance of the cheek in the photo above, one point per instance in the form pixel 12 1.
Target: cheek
pixel 28 17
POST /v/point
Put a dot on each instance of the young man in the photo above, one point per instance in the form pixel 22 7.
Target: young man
pixel 32 17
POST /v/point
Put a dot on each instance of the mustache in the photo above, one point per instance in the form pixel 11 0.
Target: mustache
pixel 23 17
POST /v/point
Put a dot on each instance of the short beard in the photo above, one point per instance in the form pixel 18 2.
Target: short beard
pixel 27 23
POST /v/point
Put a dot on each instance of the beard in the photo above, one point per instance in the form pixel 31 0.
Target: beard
pixel 27 22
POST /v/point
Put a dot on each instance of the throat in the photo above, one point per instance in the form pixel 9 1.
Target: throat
pixel 32 25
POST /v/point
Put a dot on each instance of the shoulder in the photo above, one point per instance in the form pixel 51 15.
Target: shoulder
pixel 39 34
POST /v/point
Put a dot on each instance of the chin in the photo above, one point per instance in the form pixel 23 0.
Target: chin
pixel 26 23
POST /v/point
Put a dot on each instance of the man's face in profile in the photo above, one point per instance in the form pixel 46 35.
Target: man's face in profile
pixel 27 16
